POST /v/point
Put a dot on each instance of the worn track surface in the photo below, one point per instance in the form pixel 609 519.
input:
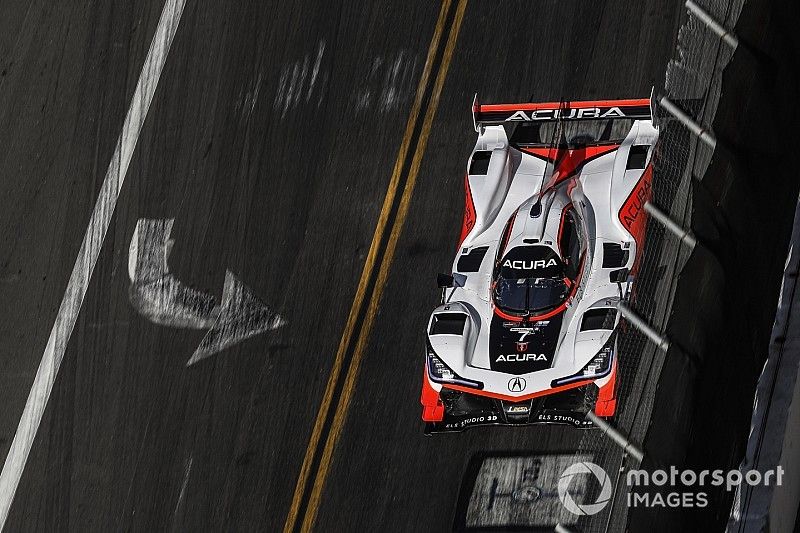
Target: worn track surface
pixel 277 171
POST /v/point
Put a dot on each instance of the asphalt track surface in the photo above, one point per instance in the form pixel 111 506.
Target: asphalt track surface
pixel 283 182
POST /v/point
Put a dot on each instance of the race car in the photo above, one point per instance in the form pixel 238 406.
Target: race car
pixel 526 332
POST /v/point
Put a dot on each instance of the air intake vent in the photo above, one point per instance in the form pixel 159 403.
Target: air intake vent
pixel 471 262
pixel 480 163
pixel 602 318
pixel 614 256
pixel 448 324
pixel 536 209
pixel 637 157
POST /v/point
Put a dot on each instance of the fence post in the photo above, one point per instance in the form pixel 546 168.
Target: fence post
pixel 659 340
pixel 684 235
pixel 682 117
pixel 702 15
pixel 614 434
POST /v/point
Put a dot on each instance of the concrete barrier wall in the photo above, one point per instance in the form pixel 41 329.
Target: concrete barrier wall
pixel 742 200
pixel 775 428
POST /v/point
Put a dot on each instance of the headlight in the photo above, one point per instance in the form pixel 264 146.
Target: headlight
pixel 438 372
pixel 598 367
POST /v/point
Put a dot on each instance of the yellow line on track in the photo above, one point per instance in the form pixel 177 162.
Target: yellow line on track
pixel 369 266
pixel 383 273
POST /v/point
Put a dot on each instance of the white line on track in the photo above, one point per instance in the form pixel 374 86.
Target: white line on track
pixel 87 256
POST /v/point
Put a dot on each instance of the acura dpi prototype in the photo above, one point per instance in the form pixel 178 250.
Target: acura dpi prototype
pixel 554 221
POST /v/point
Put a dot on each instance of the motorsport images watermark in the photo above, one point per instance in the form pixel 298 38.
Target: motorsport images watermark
pixel 686 486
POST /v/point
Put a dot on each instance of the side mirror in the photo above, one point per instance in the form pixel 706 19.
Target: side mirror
pixel 445 281
pixel 619 276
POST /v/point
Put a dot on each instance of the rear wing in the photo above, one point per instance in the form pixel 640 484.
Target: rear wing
pixel 497 114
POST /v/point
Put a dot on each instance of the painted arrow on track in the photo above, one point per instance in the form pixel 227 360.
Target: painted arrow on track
pixel 159 296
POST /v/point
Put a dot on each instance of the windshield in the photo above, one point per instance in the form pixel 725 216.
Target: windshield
pixel 523 295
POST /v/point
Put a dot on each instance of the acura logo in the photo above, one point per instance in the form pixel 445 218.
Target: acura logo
pixel 529 265
pixel 516 384
pixel 522 346
pixel 552 114
pixel 521 357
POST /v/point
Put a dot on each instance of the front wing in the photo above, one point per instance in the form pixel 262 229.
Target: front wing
pixel 463 411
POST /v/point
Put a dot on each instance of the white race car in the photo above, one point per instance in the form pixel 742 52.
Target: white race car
pixel 553 227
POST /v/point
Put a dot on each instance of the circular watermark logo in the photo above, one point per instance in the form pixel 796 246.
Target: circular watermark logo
pixel 582 469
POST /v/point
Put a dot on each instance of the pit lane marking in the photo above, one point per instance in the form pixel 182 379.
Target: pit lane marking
pixel 87 255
